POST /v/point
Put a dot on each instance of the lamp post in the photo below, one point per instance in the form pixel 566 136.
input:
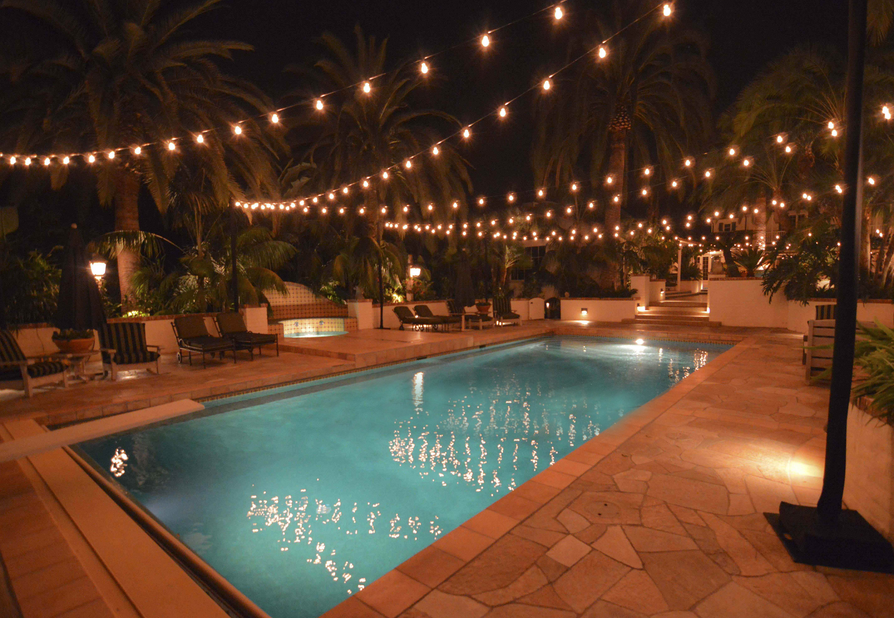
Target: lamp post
pixel 98 269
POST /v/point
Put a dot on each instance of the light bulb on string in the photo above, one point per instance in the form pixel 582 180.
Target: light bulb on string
pixel 558 13
pixel 408 164
pixel 485 41
pixel 66 160
pixel 574 187
pixel 172 145
pixel 667 9
pixel 547 85
pixel 886 112
pixel 367 87
pixel 467 133
pixel 46 162
pixel 237 129
pixel 137 150
pixel 345 190
pixel 688 162
pixel 541 193
pixel 503 112
pixel 110 154
pixel 423 68
pixel 385 175
pixel 435 151
pixel 318 104
pixel 200 139
pixel 27 161
pixel 274 118
pixel 602 52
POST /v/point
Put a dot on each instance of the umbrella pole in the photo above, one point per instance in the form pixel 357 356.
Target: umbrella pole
pixel 826 534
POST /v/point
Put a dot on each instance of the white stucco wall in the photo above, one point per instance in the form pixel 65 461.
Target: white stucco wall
pixel 599 309
pixel 869 485
pixel 741 302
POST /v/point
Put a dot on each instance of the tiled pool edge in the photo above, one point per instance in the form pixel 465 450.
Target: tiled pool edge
pixel 402 587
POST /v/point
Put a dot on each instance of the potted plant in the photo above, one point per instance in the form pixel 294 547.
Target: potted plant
pixel 483 307
pixel 73 341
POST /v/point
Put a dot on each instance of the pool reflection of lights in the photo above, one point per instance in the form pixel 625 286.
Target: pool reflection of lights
pixel 304 495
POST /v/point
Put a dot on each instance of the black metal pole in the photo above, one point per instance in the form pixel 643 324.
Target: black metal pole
pixel 234 275
pixel 829 506
pixel 828 535
pixel 381 279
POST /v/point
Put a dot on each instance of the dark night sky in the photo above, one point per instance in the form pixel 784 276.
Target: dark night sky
pixel 744 36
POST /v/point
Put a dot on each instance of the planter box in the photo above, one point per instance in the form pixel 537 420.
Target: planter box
pixel 869 485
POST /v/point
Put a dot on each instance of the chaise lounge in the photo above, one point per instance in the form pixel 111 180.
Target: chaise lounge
pixel 232 326
pixel 406 317
pixel 424 311
pixel 19 371
pixel 193 336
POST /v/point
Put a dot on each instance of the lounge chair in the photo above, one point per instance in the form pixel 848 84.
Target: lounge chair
pixel 424 311
pixel 193 336
pixel 406 317
pixel 232 326
pixel 503 312
pixel 124 344
pixel 19 371
pixel 471 318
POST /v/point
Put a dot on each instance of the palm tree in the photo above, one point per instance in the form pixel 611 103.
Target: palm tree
pixel 646 104
pixel 126 73
pixel 358 135
pixel 796 98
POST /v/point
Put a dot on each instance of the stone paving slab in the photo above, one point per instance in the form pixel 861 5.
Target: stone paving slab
pixel 661 515
pixel 667 521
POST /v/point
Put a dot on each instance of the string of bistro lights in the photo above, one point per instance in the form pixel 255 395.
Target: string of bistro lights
pixel 323 200
pixel 275 116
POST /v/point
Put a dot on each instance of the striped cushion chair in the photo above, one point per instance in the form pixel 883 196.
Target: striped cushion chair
pixel 18 371
pixel 124 343
pixel 503 311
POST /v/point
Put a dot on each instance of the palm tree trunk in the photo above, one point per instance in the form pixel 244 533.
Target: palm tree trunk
pixel 760 224
pixel 127 219
pixel 617 169
pixel 866 240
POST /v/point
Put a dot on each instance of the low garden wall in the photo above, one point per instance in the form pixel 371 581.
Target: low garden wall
pixel 741 302
pixel 869 484
pixel 599 309
pixel 37 340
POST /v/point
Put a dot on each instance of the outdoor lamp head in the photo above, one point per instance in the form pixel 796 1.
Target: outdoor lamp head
pixel 98 268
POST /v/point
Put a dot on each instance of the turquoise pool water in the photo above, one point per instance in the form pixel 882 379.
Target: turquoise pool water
pixel 301 496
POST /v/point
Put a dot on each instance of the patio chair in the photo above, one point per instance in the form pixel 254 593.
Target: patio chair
pixel 123 344
pixel 424 311
pixel 406 317
pixel 193 336
pixel 19 371
pixel 471 318
pixel 232 326
pixel 503 312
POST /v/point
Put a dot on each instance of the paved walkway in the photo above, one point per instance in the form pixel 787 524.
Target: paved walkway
pixel 661 515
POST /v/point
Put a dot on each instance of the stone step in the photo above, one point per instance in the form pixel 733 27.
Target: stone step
pixel 681 319
pixel 680 303
pixel 673 310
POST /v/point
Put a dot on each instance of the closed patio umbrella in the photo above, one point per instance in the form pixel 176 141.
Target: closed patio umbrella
pixel 465 290
pixel 80 305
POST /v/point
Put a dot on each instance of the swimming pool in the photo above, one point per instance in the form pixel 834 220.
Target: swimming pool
pixel 303 495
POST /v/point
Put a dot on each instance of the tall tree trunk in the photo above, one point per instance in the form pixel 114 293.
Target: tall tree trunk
pixel 617 169
pixel 127 219
pixel 760 224
pixel 866 240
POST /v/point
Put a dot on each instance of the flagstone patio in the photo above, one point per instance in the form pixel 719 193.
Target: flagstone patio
pixel 661 515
